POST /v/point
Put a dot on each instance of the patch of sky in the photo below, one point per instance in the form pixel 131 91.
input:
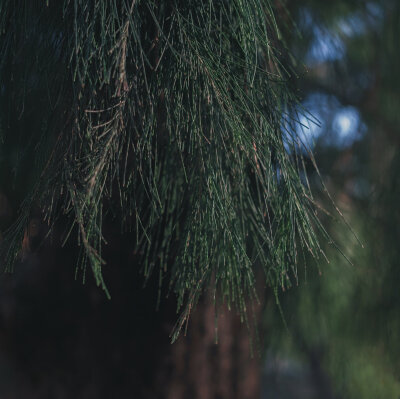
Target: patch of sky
pixel 328 43
pixel 358 23
pixel 322 120
pixel 346 126
pixel 352 25
pixel 375 11
pixel 325 46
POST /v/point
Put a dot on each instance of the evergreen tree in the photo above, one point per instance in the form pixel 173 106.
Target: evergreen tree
pixel 167 118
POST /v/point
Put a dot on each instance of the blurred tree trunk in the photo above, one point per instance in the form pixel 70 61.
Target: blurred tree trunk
pixel 60 338
pixel 203 370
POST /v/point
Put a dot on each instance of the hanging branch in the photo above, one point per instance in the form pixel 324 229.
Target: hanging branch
pixel 174 111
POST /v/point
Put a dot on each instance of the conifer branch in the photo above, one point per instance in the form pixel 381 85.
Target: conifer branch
pixel 170 113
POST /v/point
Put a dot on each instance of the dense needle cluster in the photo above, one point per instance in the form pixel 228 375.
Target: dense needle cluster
pixel 169 117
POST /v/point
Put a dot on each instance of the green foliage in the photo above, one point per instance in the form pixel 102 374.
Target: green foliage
pixel 347 321
pixel 339 318
pixel 166 116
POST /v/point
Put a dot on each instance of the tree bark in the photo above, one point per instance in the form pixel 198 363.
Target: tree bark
pixel 61 339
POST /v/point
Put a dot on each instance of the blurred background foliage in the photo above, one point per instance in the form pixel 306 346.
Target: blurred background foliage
pixel 343 326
